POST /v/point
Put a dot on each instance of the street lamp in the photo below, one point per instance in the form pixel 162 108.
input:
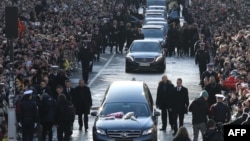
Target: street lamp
pixel 11 25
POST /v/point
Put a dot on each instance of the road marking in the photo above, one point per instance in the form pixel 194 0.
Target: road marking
pixel 103 58
pixel 100 71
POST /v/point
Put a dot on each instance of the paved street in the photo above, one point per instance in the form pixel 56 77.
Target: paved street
pixel 111 68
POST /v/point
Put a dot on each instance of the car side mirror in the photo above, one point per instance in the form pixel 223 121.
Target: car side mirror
pixel 93 113
pixel 156 113
pixel 94 110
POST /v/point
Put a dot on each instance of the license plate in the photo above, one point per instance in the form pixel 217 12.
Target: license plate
pixel 144 64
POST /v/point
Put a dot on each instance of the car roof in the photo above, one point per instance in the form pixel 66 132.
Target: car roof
pixel 157 7
pixel 155 18
pixel 156 13
pixel 155 10
pixel 126 91
pixel 161 23
pixel 152 26
pixel 157 22
pixel 145 40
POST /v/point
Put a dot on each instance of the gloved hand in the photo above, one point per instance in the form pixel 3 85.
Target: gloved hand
pixel 19 124
pixel 35 125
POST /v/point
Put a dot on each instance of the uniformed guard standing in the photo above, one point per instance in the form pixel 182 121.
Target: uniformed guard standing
pixel 28 116
pixel 219 111
pixel 202 58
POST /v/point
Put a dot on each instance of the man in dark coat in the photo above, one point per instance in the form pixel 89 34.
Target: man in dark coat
pixel 64 118
pixel 85 58
pixel 114 32
pixel 82 101
pixel 212 88
pixel 121 36
pixel 44 88
pixel 180 104
pixel 27 116
pixel 97 37
pixel 61 78
pixel 129 35
pixel 172 39
pixel 52 78
pixel 68 90
pixel 104 31
pixel 163 100
pixel 209 72
pixel 202 58
pixel 200 111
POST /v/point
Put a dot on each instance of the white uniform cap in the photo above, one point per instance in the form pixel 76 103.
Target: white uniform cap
pixel 28 92
pixel 220 96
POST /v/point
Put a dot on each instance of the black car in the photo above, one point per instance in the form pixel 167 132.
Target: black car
pixel 145 55
pixel 126 114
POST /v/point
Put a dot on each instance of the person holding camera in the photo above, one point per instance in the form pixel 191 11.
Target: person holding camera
pixel 213 133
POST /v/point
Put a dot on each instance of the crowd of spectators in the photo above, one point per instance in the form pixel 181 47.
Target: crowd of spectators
pixel 51 33
pixel 228 39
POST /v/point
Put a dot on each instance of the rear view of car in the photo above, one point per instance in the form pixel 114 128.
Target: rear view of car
pixel 145 55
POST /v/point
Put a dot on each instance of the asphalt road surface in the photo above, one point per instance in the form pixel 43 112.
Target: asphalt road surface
pixel 111 68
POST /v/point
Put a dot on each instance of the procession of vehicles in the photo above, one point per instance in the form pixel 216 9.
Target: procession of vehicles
pixel 126 112
pixel 157 17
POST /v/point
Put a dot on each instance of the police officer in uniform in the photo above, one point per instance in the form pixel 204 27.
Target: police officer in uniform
pixel 220 112
pixel 202 58
pixel 28 116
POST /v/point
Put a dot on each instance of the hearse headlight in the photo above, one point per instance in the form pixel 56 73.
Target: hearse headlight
pixel 100 131
pixel 147 131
